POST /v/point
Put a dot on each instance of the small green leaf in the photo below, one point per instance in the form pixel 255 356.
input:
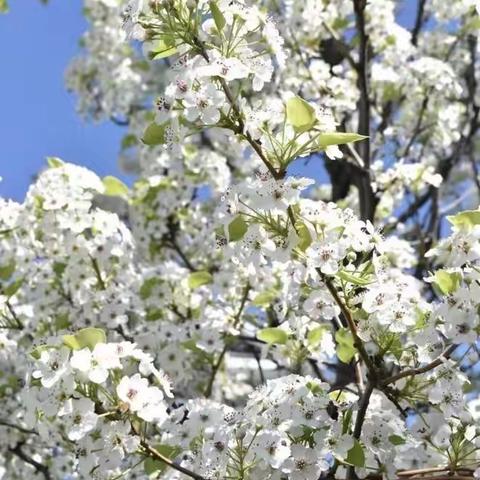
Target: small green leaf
pixel 154 314
pixel 300 114
pixel 129 140
pixel 114 187
pixel 356 455
pixel 37 351
pixel 87 337
pixel 396 440
pixel 62 322
pixel 217 15
pixel 156 467
pixel 237 229
pixel 147 287
pixel 13 288
pixel 265 298
pixel 155 134
pixel 59 268
pixel 338 138
pixel 346 420
pixel 197 279
pixel 273 335
pixel 55 162
pixel 304 236
pixel 162 48
pixel 345 348
pixel 446 282
pixel 3 6
pixel 467 219
pixel 353 279
pixel 7 271
pixel 314 337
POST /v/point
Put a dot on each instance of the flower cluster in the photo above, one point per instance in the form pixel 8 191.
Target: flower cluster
pixel 311 330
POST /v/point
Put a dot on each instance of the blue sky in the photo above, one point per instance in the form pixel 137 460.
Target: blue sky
pixel 37 114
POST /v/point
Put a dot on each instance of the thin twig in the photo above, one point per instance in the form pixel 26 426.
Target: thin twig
pixel 418 371
pixel 218 363
pixel 362 411
pixel 154 453
pixel 6 423
pixel 39 467
pixel 357 341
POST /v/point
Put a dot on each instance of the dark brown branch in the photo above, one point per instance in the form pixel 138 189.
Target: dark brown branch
pixel 39 467
pixel 6 423
pixel 218 363
pixel 154 453
pixel 418 371
pixel 357 341
pixel 360 419
pixel 367 197
pixel 419 21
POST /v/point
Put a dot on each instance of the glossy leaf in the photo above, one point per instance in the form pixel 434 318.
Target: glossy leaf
pixel 446 282
pixel 237 229
pixel 345 348
pixel 273 335
pixel 197 279
pixel 87 337
pixel 217 15
pixel 467 219
pixel 55 162
pixel 300 114
pixel 154 134
pixel 338 138
pixel 356 455
pixel 114 187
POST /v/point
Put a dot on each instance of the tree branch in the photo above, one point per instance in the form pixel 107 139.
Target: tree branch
pixel 367 197
pixel 39 467
pixel 418 371
pixel 158 456
pixel 218 363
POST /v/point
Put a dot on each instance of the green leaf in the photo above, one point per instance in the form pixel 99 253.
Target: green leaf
pixel 13 288
pixel 300 114
pixel 114 187
pixel 37 351
pixel 345 348
pixel 154 314
pixel 55 162
pixel 87 337
pixel 197 279
pixel 338 138
pixel 59 268
pixel 346 420
pixel 265 298
pixel 129 140
pixel 467 219
pixel 237 229
pixel 446 282
pixel 304 236
pixel 3 6
pixel 217 15
pixel 162 48
pixel 155 134
pixel 62 322
pixel 314 337
pixel 7 271
pixel 396 440
pixel 273 335
pixel 156 467
pixel 350 278
pixel 147 286
pixel 356 455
